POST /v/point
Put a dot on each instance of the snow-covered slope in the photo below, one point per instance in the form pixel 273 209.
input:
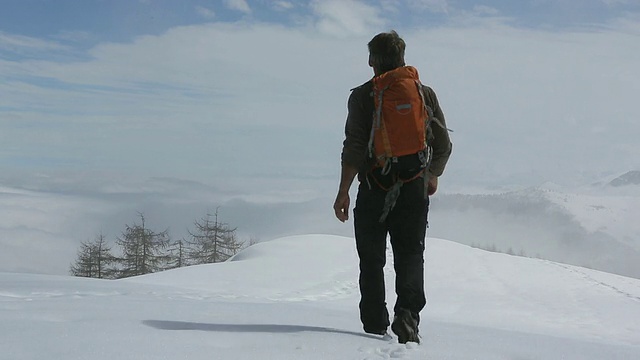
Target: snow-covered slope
pixel 296 298
pixel 627 179
pixel 611 211
pixel 595 226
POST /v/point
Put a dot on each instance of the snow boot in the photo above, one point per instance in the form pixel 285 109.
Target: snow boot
pixel 405 327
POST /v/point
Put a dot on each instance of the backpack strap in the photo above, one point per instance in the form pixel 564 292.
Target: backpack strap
pixel 377 119
pixel 429 109
pixel 377 124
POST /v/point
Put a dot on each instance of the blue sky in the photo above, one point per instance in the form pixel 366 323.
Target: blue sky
pixel 87 23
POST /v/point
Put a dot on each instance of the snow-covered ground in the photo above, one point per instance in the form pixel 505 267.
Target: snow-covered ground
pixel 296 298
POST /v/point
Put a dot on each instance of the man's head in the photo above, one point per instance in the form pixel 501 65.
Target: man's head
pixel 386 52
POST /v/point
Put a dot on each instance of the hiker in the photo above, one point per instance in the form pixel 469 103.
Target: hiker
pixel 393 193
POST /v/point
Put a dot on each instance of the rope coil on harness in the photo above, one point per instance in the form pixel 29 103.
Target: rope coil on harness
pixel 390 199
pixel 393 192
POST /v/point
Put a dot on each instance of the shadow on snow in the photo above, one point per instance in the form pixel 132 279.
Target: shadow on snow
pixel 248 328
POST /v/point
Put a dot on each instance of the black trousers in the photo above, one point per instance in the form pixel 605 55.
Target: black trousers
pixel 406 224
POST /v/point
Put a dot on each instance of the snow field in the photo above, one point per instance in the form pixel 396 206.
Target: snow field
pixel 297 298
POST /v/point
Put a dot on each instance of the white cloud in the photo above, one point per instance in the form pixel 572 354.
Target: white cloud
pixel 19 43
pixel 346 17
pixel 199 90
pixel 485 10
pixel 616 2
pixel 73 36
pixel 390 6
pixel 238 5
pixel 205 12
pixel 45 229
pixel 260 109
pixel 241 90
pixel 434 6
pixel 283 5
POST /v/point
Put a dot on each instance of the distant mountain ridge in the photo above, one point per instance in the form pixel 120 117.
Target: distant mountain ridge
pixel 629 178
pixel 595 229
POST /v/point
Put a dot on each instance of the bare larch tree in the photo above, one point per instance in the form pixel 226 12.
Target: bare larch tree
pixel 94 259
pixel 143 251
pixel 212 241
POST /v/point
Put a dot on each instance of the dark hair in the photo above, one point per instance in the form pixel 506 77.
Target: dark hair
pixel 386 51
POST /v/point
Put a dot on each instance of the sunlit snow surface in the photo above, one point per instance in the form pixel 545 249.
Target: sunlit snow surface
pixel 297 298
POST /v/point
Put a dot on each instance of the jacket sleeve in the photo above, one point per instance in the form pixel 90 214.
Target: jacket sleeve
pixel 357 129
pixel 441 143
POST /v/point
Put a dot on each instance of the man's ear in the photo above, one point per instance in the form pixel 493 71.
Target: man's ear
pixel 370 61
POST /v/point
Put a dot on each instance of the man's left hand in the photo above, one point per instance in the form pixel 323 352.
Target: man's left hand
pixel 432 185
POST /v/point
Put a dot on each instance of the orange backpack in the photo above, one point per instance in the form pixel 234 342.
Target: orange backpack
pixel 400 121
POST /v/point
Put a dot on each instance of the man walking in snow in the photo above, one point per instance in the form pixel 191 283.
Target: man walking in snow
pixel 390 200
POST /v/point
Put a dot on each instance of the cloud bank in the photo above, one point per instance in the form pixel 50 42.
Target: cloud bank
pixel 255 107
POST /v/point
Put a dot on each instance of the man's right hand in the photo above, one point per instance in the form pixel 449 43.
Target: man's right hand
pixel 341 206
